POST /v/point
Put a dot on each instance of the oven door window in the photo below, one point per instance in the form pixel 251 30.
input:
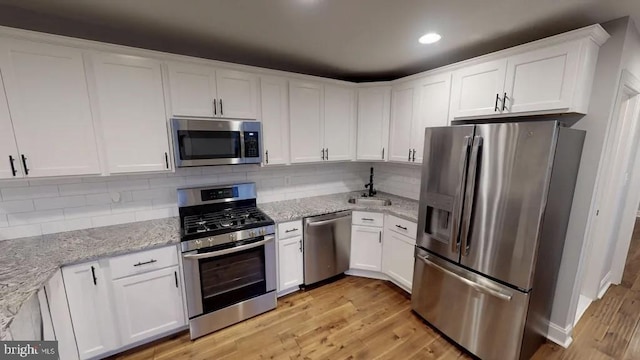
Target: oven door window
pixel 202 145
pixel 229 279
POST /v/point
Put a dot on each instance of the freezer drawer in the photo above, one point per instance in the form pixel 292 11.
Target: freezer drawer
pixel 485 317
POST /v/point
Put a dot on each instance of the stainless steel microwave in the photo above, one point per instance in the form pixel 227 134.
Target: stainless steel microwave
pixel 205 142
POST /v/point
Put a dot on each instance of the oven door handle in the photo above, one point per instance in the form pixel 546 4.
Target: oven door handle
pixel 229 251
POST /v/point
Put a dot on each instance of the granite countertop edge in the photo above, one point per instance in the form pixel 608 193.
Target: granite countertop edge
pixel 28 263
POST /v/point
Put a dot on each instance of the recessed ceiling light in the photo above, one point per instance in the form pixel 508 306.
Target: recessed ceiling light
pixel 429 38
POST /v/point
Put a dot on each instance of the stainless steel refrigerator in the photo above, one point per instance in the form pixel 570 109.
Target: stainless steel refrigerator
pixel 494 207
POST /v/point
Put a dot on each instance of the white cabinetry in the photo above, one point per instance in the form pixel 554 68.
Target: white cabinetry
pixel 322 122
pixel 399 241
pixel 373 123
pixel 199 90
pixel 46 88
pixel 275 120
pixel 290 256
pixel 9 159
pixel 88 295
pixel 555 78
pixel 131 112
pixel 366 241
pixel 416 105
pixel 148 304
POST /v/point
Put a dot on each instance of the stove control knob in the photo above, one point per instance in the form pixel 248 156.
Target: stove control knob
pixel 232 237
pixel 210 241
pixel 198 243
pixel 252 233
pixel 263 231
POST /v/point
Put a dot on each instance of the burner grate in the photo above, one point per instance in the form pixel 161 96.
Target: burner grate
pixel 225 219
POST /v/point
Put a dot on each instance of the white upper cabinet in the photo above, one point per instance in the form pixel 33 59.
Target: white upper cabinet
pixel 193 90
pixel 275 120
pixel 46 88
pixel 199 90
pixel 403 106
pixel 339 123
pixel 131 113
pixel 373 123
pixel 306 112
pixel 9 159
pixel 542 79
pixel 93 320
pixel 237 94
pixel 433 109
pixel 477 89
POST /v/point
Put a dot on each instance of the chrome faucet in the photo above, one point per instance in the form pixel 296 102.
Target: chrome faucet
pixel 372 191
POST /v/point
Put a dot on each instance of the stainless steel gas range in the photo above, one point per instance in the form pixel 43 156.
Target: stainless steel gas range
pixel 228 256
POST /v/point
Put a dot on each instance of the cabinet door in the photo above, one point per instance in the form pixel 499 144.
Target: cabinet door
pixel 237 94
pixel 193 90
pixel 305 109
pixel 132 113
pixel 91 315
pixel 366 248
pixel 433 109
pixel 290 263
pixel 9 159
pixel 373 123
pixel 275 120
pixel 403 100
pixel 476 90
pixel 397 261
pixel 541 80
pixel 339 126
pixel 48 98
pixel 148 304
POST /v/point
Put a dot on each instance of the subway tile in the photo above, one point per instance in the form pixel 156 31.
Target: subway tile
pixel 13 183
pixel 173 182
pixel 59 202
pixel 3 221
pixel 114 219
pixel 38 182
pixel 160 193
pixel 122 185
pixel 87 211
pixel 31 192
pixel 16 206
pixel 156 214
pixel 232 178
pixel 131 206
pixel 201 180
pixel 15 232
pixel 35 217
pixel 66 225
pixel 83 188
pixel 163 203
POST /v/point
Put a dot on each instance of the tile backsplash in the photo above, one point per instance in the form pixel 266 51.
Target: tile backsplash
pixel 398 179
pixel 43 206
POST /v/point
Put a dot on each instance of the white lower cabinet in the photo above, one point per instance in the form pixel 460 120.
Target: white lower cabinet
pixel 290 263
pixel 148 304
pixel 366 248
pixel 88 296
pixel 110 315
pixel 397 260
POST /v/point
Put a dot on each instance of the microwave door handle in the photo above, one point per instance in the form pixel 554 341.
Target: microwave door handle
pixel 457 206
pixel 232 250
pixel 242 148
pixel 472 175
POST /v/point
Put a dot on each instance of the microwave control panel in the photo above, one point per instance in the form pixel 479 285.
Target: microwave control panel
pixel 251 144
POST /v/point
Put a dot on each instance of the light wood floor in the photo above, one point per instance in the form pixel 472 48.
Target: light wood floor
pixel 358 318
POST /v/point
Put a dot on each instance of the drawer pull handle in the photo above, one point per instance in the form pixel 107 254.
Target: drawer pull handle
pixel 367 219
pixel 146 262
pixel 93 275
pixel 291 230
pixel 401 227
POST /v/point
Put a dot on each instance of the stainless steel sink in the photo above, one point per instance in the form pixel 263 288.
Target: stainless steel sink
pixel 370 201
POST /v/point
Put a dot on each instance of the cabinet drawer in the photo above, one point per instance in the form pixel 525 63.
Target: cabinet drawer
pixel 402 226
pixel 367 218
pixel 289 229
pixel 143 261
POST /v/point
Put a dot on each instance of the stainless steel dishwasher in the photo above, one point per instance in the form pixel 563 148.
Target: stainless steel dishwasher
pixel 327 246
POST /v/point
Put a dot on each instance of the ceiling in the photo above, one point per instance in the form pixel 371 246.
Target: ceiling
pixel 358 40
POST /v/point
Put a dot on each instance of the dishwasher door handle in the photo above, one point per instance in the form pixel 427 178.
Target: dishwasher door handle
pixel 328 221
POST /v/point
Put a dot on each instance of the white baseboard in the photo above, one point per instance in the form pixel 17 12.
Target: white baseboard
pixel 560 335
pixel 604 285
pixel 638 213
pixel 583 304
pixel 367 274
pixel 288 291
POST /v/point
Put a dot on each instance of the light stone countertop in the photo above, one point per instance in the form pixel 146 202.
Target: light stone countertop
pixel 26 264
pixel 281 211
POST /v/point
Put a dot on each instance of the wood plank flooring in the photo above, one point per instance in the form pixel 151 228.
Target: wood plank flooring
pixel 358 318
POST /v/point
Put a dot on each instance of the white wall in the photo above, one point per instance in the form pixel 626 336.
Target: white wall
pixel 603 95
pixel 34 207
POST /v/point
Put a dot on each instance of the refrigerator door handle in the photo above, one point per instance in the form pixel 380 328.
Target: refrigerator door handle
pixel 478 287
pixel 457 207
pixel 472 174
